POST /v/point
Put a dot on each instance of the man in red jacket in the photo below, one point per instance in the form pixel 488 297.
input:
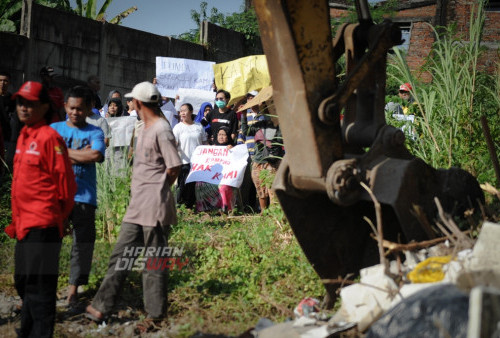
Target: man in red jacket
pixel 43 188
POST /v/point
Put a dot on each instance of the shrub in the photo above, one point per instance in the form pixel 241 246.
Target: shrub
pixel 448 109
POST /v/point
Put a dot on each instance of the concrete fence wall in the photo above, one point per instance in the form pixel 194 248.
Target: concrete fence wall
pixel 78 47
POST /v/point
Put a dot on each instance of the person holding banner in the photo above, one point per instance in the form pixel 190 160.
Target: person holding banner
pixel 222 115
pixel 188 135
pixel 210 196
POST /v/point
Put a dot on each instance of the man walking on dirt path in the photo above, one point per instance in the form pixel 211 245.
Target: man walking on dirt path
pixel 43 189
pixel 151 211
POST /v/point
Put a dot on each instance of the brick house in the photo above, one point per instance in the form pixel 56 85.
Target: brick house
pixel 413 15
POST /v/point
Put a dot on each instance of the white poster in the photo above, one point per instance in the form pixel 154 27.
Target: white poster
pixel 194 96
pixel 121 130
pixel 175 73
pixel 219 165
pixel 169 111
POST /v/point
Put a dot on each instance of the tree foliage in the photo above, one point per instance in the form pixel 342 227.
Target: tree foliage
pixel 379 12
pixel 89 10
pixel 9 19
pixel 244 22
pixel 10 11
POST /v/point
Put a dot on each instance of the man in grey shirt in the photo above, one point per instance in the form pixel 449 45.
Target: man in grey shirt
pixel 151 211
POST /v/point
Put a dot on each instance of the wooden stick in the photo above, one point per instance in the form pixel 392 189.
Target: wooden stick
pixel 452 226
pixel 398 247
pixel 491 147
pixel 380 233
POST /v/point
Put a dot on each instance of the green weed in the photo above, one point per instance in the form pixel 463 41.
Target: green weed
pixel 241 269
pixel 448 110
pixel 113 196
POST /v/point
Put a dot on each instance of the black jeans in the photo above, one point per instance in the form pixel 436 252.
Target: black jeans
pixel 184 193
pixel 35 278
pixel 83 220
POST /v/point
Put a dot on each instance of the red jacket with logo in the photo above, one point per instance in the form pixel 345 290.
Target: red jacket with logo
pixel 43 186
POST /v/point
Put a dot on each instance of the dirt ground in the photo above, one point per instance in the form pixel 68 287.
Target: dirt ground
pixel 127 321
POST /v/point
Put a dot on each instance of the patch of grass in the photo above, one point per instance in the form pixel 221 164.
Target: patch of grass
pixel 113 196
pixel 5 210
pixel 241 270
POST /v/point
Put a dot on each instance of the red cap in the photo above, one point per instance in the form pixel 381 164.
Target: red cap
pixel 30 90
pixel 406 87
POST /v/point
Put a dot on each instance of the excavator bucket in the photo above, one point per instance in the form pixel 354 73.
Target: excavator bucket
pixel 319 180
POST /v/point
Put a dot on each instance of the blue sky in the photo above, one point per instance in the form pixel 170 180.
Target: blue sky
pixel 164 17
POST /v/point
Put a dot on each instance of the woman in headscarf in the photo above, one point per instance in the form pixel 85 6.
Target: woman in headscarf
pixel 210 196
pixel 205 108
pixel 115 108
pixel 112 94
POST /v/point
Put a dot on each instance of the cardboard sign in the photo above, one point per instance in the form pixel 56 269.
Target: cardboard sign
pixel 121 130
pixel 194 96
pixel 175 73
pixel 219 165
pixel 168 109
pixel 242 75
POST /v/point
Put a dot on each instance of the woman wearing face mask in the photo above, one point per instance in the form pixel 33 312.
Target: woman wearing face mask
pixel 222 115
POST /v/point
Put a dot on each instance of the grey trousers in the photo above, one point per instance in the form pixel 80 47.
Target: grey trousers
pixel 125 257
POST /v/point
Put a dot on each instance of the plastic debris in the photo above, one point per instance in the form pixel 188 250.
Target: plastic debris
pixel 437 311
pixel 430 270
pixel 306 306
pixel 365 302
pixel 304 321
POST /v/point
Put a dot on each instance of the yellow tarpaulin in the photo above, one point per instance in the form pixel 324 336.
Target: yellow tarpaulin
pixel 242 75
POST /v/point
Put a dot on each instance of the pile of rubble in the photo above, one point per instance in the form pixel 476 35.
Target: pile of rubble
pixel 447 290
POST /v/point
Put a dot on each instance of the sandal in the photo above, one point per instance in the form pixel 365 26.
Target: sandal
pixel 94 317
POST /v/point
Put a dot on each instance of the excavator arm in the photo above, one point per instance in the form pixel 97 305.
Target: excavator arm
pixel 327 158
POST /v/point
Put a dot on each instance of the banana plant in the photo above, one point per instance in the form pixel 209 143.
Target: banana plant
pixel 9 21
pixel 89 10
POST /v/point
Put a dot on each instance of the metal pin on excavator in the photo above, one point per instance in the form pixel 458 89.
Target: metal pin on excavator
pixel 318 183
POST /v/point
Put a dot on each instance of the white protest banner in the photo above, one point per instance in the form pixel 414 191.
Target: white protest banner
pixel 168 109
pixel 194 96
pixel 175 73
pixel 218 165
pixel 121 130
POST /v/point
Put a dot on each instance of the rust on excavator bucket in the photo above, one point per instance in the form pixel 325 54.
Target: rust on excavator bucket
pixel 296 84
pixel 318 182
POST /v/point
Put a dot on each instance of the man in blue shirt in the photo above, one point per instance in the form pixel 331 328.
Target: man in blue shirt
pixel 86 146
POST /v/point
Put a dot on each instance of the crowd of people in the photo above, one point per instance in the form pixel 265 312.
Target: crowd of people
pixel 225 125
pixel 52 145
